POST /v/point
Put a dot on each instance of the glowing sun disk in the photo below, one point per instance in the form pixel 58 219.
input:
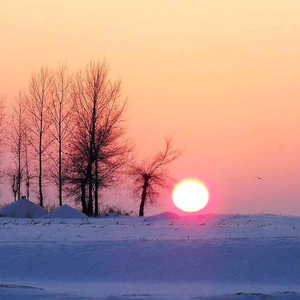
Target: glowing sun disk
pixel 190 195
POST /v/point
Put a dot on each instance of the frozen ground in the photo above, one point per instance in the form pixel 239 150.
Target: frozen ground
pixel 162 257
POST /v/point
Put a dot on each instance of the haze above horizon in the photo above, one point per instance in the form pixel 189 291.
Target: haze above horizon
pixel 222 77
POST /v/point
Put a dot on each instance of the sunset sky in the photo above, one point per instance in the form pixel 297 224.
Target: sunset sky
pixel 221 77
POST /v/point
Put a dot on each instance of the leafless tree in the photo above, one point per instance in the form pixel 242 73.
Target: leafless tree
pixel 28 176
pixel 2 121
pixel 39 120
pixel 2 129
pixel 12 177
pixel 98 150
pixel 61 119
pixel 16 137
pixel 152 175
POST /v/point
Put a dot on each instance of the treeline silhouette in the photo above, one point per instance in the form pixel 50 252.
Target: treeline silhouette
pixel 69 130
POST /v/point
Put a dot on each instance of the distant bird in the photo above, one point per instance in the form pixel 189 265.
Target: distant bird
pixel 259 178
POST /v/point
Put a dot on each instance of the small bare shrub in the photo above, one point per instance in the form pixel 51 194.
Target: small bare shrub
pixel 116 210
pixel 50 206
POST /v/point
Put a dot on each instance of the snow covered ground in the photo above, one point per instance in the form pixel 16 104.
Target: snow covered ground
pixel 161 257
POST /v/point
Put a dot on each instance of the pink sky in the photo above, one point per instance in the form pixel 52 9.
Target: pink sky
pixel 221 76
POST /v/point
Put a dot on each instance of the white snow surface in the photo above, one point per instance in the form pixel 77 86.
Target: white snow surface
pixel 22 208
pixel 162 257
pixel 66 212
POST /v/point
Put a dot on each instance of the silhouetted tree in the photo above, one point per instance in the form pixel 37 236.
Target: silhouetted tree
pixel 3 128
pixel 16 137
pixel 61 118
pixel 152 175
pixel 38 102
pixel 13 181
pixel 98 150
pixel 2 121
pixel 28 176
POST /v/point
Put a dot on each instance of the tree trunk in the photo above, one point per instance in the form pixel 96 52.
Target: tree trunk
pixel 90 205
pixel 86 207
pixel 90 183
pixel 96 187
pixel 91 152
pixel 82 198
pixel 60 179
pixel 19 177
pixel 14 186
pixel 27 180
pixel 40 170
pixel 143 198
pixel 27 188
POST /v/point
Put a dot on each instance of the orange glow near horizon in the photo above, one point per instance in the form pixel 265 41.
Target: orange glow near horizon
pixel 190 195
pixel 222 77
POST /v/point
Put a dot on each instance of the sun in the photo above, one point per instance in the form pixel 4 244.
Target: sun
pixel 190 195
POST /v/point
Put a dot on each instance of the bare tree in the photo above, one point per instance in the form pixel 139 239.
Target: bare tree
pixel 2 122
pixel 2 130
pixel 152 175
pixel 16 137
pixel 13 181
pixel 98 149
pixel 27 170
pixel 39 121
pixel 61 119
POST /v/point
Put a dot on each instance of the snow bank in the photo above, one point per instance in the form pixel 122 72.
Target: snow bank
pixel 66 212
pixel 22 208
pixel 164 216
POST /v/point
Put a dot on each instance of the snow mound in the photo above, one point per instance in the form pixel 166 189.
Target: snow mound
pixel 164 216
pixel 66 212
pixel 22 208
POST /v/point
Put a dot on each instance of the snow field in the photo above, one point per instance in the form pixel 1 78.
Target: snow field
pixel 161 257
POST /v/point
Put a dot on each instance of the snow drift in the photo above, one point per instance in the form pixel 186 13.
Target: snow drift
pixel 164 216
pixel 66 212
pixel 22 208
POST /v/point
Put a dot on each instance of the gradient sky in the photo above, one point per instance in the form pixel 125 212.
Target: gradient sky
pixel 223 77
